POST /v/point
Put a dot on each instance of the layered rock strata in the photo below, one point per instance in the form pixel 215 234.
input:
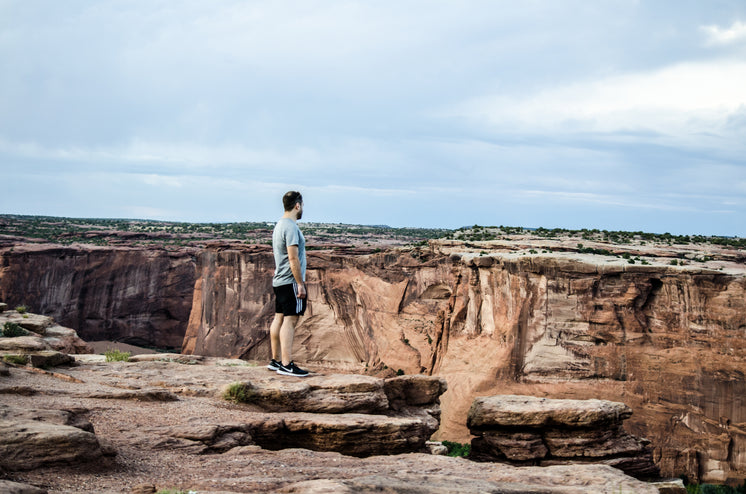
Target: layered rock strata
pixel 493 317
pixel 351 414
pixel 538 431
pixel 141 296
pixel 667 340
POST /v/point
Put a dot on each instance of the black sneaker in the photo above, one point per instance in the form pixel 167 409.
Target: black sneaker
pixel 274 365
pixel 292 370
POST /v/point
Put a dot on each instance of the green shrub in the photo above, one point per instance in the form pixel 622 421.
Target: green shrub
pixel 238 393
pixel 12 329
pixel 21 309
pixel 16 359
pixel 713 488
pixel 457 449
pixel 117 356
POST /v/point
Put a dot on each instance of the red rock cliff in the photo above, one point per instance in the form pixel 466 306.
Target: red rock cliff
pixel 141 296
pixel 668 341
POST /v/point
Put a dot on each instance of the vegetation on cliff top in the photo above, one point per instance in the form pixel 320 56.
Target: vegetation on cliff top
pixel 120 231
pixel 151 232
pixel 482 233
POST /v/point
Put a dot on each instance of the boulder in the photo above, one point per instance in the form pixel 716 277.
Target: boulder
pixel 539 431
pixel 26 445
pixel 353 434
pixel 49 358
pixel 65 340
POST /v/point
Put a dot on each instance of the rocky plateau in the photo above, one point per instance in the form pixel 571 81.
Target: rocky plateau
pixel 162 422
pixel 664 334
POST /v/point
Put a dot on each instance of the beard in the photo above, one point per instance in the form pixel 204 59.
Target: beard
pixel 300 215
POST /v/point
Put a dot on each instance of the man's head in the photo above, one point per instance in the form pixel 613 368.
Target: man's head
pixel 292 200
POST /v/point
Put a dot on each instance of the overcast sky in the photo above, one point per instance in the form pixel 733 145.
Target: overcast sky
pixel 609 114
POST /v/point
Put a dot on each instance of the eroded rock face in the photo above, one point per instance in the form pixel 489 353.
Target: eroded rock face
pixel 140 296
pixel 666 340
pixel 540 431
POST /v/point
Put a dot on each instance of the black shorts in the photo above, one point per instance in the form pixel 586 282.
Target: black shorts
pixel 286 301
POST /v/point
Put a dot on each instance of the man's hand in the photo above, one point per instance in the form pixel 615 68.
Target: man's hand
pixel 301 290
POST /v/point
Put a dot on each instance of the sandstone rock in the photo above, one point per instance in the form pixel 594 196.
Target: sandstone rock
pixel 49 358
pixel 328 394
pixel 540 320
pixel 436 448
pixel 675 486
pixel 524 429
pixel 22 343
pixel 73 417
pixel 33 322
pixel 352 434
pixel 25 445
pixel 663 339
pixel 515 446
pixel 592 443
pixel 65 340
pixel 414 484
pixel 206 438
pixel 528 480
pixel 8 487
pixel 414 390
pixel 529 411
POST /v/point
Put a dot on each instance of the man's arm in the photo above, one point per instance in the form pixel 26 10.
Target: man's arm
pixel 294 261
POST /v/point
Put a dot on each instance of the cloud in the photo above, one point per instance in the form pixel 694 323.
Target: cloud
pixel 717 35
pixel 677 101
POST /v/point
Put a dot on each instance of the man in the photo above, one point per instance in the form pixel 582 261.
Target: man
pixel 289 284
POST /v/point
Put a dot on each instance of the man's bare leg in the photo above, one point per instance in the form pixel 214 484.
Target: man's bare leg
pixel 274 336
pixel 287 333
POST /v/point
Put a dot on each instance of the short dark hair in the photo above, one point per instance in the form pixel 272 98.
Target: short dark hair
pixel 290 199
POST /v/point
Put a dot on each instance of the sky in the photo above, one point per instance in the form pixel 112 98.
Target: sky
pixel 608 114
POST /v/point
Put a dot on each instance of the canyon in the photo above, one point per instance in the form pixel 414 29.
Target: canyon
pixel 664 334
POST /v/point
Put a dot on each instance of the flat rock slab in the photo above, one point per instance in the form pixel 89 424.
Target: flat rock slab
pixel 342 393
pixel 26 445
pixel 578 479
pixel 353 434
pixel 500 411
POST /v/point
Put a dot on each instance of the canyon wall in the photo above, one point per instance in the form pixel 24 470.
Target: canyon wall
pixel 669 341
pixel 141 296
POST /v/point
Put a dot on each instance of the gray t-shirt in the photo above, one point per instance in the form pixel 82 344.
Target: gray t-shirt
pixel 286 233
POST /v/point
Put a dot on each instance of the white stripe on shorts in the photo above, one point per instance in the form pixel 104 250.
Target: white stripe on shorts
pixel 298 301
